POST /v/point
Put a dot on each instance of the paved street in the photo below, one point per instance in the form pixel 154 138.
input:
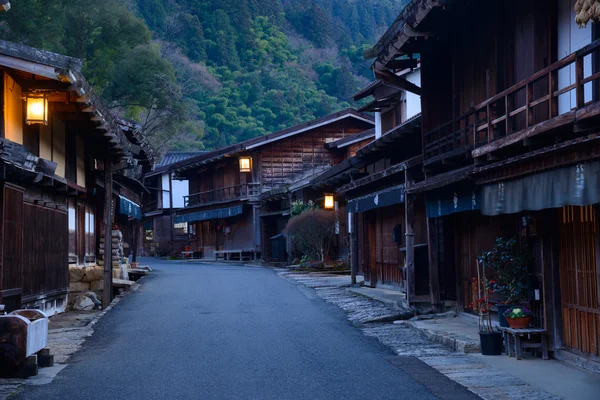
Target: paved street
pixel 232 332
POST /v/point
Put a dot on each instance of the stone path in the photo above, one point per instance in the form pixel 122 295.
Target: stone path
pixel 405 340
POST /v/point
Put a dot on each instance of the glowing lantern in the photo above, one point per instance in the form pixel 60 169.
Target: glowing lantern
pixel 329 202
pixel 245 164
pixel 37 109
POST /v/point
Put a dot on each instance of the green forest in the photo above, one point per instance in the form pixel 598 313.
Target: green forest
pixel 202 74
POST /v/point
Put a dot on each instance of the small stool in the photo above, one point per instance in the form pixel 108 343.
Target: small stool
pixel 513 340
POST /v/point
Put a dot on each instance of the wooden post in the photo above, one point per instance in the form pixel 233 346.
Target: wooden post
pixel 108 262
pixel 171 212
pixel 579 90
pixel 136 238
pixel 409 213
pixel 352 226
pixel 434 279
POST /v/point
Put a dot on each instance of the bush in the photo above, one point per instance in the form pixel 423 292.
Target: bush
pixel 312 231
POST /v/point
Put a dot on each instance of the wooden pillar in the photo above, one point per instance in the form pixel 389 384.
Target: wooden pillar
pixel 353 247
pixel 256 225
pixel 136 238
pixel 434 278
pixel 107 290
pixel 171 212
pixel 409 210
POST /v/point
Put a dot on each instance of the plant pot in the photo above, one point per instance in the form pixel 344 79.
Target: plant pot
pixel 501 308
pixel 491 343
pixel 519 323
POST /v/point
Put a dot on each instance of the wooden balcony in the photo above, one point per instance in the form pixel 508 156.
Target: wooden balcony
pixel 521 112
pixel 247 191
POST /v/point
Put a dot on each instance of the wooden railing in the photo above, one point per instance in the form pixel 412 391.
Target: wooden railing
pixel 222 195
pixel 524 105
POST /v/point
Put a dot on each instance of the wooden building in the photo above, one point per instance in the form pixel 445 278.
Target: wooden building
pixel 372 186
pixel 232 187
pixel 510 148
pixel 165 197
pixel 55 137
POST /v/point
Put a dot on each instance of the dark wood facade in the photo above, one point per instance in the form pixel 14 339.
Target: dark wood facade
pixel 509 96
pixel 282 165
pixel 50 210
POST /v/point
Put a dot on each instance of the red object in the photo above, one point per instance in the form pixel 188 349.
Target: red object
pixel 519 323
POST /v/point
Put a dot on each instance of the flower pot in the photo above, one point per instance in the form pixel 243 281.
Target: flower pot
pixel 501 308
pixel 519 323
pixel 491 343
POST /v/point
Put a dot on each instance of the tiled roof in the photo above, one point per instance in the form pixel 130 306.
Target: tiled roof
pixel 172 157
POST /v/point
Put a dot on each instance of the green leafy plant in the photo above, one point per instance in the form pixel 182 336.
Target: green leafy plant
pixel 517 312
pixel 298 207
pixel 512 266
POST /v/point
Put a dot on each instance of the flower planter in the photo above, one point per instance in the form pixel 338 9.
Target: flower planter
pixel 491 343
pixel 501 319
pixel 519 323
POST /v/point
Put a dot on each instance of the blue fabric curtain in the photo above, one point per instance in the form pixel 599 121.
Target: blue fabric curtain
pixel 577 185
pixel 129 208
pixel 210 214
pixel 383 198
pixel 452 200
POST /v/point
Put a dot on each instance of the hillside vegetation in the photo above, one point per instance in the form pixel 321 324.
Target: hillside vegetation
pixel 207 73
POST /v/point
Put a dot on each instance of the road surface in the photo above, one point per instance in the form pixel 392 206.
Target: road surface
pixel 197 331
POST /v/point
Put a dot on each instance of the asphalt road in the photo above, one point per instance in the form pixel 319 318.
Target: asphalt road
pixel 198 331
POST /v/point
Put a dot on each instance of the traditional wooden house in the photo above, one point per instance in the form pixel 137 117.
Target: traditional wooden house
pixel 54 135
pixel 389 248
pixel 510 148
pixel 232 187
pixel 165 197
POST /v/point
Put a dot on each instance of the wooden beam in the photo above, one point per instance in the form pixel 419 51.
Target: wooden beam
pixel 398 81
pixel 434 272
pixel 554 123
pixel 107 292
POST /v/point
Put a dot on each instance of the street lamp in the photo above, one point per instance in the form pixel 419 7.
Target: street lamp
pixel 37 109
pixel 329 203
pixel 245 164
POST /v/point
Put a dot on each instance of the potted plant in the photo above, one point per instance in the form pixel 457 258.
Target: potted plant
pixel 490 340
pixel 512 267
pixel 518 317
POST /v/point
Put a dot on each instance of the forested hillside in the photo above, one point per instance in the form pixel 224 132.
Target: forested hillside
pixel 206 73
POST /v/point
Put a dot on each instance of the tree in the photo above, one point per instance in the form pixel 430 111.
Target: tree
pixel 312 231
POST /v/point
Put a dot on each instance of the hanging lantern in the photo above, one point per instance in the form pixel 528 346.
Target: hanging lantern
pixel 329 202
pixel 245 164
pixel 37 109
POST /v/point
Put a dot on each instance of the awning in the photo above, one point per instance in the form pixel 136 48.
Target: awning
pixel 129 208
pixel 210 214
pixel 452 200
pixel 577 185
pixel 383 198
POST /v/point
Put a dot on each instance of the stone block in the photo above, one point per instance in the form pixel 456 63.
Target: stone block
pixel 93 274
pixel 97 286
pixel 79 286
pixel 76 274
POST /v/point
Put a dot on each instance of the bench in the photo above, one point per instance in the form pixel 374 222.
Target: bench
pixel 517 339
pixel 235 255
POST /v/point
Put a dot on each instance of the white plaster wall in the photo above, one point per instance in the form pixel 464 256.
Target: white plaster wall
pixel 180 189
pixel 413 102
pixel 570 39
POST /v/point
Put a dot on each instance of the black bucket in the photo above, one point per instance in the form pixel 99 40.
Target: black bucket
pixel 491 343
pixel 501 308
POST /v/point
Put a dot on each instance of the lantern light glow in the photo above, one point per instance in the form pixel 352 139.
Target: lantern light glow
pixel 245 164
pixel 329 202
pixel 37 109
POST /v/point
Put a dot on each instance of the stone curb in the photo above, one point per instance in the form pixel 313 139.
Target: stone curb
pixel 456 343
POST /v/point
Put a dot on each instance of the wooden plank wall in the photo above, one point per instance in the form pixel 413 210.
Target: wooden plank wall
pixel 45 259
pixel 12 239
pixel 294 158
pixel 579 279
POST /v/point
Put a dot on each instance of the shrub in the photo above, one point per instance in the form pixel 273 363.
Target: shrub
pixel 312 231
pixel 298 207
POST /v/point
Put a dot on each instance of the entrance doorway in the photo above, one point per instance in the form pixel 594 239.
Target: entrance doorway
pixel 579 279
